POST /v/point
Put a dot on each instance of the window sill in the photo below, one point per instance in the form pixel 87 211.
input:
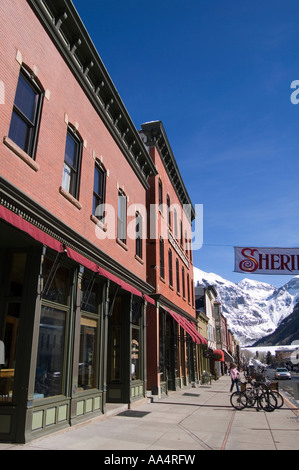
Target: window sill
pixel 98 223
pixel 70 198
pixel 140 260
pixel 122 244
pixel 20 153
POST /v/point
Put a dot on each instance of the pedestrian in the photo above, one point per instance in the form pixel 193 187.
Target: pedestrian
pixel 235 377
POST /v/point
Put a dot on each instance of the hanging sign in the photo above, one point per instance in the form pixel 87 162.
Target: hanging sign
pixel 267 260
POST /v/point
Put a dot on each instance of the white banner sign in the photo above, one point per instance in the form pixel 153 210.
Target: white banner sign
pixel 267 260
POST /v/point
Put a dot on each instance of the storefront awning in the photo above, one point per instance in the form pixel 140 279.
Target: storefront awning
pixel 149 299
pixel 189 327
pixel 39 235
pixel 34 232
pixel 227 356
pixel 218 355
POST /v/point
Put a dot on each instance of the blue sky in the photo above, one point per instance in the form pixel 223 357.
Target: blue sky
pixel 218 75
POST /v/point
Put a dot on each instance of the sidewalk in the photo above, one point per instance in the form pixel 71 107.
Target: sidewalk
pixel 192 419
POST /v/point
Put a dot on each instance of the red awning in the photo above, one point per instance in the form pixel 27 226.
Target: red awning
pixel 34 232
pixel 188 326
pixel 81 259
pixel 201 338
pixel 219 355
pixel 149 299
pixel 42 237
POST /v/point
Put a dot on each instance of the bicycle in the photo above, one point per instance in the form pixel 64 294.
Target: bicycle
pixel 260 394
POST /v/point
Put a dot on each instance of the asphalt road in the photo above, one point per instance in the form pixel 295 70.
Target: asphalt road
pixel 288 386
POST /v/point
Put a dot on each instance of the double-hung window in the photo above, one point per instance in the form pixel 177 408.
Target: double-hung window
pixel 170 267
pixel 99 186
pixel 138 235
pixel 162 268
pixel 177 275
pixel 26 113
pixel 72 163
pixel 122 217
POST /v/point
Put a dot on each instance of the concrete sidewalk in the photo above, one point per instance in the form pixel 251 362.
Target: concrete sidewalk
pixel 193 419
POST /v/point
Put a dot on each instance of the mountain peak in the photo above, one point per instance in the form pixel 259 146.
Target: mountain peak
pixel 253 309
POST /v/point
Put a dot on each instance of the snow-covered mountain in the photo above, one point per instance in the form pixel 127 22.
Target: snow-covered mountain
pixel 253 309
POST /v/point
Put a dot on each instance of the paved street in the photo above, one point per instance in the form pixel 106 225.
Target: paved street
pixel 194 419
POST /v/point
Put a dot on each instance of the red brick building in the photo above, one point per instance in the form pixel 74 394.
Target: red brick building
pixel 73 282
pixel 82 278
pixel 172 336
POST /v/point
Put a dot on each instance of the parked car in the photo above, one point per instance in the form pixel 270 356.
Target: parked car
pixel 282 373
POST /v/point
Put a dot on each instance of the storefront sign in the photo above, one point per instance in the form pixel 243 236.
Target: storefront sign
pixel 267 260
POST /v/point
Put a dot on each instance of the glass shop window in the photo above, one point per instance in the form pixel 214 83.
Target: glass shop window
pixel 51 344
pixel 135 342
pixel 88 335
pixel 115 359
pixel 87 353
pixel 50 365
pixel 9 339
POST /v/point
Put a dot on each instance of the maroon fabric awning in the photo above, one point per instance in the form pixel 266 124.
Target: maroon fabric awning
pixel 34 232
pixel 188 326
pixel 74 255
pixel 201 338
pixel 149 299
pixel 218 355
pixel 42 237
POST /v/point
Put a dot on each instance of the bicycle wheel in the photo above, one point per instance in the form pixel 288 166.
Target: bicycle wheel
pixel 267 401
pixel 279 398
pixel 251 397
pixel 238 400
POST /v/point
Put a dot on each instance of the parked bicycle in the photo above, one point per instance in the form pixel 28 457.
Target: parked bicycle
pixel 259 394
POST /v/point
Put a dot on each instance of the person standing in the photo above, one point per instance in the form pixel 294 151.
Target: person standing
pixel 235 377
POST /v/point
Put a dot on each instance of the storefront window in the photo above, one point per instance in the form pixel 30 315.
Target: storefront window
pixel 56 282
pixel 135 343
pixel 51 344
pixel 87 353
pixel 135 351
pixel 115 361
pixel 9 341
pixel 161 348
pixel 49 378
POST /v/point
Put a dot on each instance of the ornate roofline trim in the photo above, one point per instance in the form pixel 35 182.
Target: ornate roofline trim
pixel 66 29
pixel 153 134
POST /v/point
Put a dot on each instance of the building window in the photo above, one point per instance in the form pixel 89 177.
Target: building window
pixel 99 187
pixel 162 271
pixel 122 217
pixel 182 239
pixel 175 220
pixel 170 267
pixel 183 282
pixel 50 365
pixel 160 195
pixel 188 287
pixel 12 314
pixel 177 275
pixel 138 235
pixel 168 211
pixel 72 163
pixel 26 113
pixel 87 353
pixel 136 366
